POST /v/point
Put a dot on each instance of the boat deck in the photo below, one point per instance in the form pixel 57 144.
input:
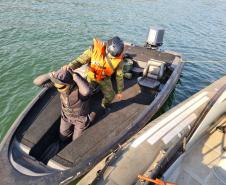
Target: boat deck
pixel 205 162
pixel 108 127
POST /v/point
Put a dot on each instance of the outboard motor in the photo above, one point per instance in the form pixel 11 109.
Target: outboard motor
pixel 155 38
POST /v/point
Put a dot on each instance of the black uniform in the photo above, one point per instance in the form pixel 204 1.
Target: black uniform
pixel 74 94
pixel 74 113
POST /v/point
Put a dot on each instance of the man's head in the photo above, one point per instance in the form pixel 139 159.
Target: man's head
pixel 62 80
pixel 115 46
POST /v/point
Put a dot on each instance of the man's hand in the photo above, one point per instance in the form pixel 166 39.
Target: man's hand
pixel 68 68
pixel 65 67
pixel 119 96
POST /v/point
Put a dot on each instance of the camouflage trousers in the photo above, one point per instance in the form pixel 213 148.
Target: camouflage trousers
pixel 106 88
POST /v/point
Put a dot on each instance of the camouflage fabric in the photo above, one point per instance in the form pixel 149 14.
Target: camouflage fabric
pixel 84 58
pixel 119 77
pixel 107 90
pixel 105 85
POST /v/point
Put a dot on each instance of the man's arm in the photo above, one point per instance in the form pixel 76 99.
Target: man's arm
pixel 81 60
pixel 43 81
pixel 82 84
pixel 119 78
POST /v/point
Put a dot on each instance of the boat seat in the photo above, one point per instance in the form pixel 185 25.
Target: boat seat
pixel 148 83
pixel 152 73
pixel 46 121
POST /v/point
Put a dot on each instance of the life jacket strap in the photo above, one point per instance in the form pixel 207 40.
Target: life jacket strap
pixel 109 62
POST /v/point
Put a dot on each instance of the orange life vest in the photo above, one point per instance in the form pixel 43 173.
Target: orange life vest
pixel 100 65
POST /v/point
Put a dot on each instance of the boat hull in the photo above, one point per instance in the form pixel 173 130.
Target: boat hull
pixel 19 167
pixel 156 146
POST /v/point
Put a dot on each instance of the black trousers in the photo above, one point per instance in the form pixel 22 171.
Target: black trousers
pixel 73 126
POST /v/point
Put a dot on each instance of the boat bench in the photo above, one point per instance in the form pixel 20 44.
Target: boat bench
pixel 49 124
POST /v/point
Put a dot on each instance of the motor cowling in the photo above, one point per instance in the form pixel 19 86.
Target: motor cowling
pixel 155 38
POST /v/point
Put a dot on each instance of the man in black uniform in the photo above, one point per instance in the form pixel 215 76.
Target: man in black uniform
pixel 74 94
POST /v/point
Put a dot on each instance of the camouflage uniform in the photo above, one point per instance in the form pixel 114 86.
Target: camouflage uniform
pixel 105 84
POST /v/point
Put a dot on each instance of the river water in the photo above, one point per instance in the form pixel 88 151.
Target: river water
pixel 38 36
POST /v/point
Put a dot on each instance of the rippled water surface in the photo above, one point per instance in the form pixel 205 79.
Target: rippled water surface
pixel 38 36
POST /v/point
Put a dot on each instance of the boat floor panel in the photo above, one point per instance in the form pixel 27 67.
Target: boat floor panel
pixel 144 54
pixel 104 132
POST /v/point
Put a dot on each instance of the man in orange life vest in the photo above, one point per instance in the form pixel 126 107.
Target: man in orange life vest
pixel 103 59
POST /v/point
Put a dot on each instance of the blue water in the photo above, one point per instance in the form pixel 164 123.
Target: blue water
pixel 38 36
